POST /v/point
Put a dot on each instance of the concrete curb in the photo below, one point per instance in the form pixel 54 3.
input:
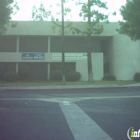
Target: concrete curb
pixel 64 88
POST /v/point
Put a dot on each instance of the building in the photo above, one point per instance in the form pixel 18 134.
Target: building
pixel 35 44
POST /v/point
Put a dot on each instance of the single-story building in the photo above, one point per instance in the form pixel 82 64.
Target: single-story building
pixel 35 44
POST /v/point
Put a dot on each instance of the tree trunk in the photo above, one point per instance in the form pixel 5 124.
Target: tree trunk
pixel 62 45
pixel 90 73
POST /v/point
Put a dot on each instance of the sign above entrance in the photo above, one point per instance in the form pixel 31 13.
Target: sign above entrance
pixel 33 56
pixel 70 56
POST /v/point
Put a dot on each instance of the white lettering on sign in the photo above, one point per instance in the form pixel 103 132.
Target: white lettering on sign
pixel 70 56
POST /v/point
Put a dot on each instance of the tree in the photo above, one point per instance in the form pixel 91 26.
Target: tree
pixel 42 14
pixel 62 31
pixel 91 14
pixel 130 25
pixel 7 8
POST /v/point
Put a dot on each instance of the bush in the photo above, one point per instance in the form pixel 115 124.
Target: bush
pixel 2 71
pixel 56 75
pixel 73 76
pixel 11 67
pixel 69 69
pixel 24 72
pixel 11 76
pixel 137 77
pixel 109 77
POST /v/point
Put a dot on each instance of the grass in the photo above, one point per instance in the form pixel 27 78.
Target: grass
pixel 54 83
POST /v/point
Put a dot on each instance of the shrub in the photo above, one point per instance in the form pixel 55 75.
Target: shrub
pixel 24 72
pixel 11 76
pixel 2 71
pixel 11 67
pixel 69 69
pixel 73 76
pixel 56 66
pixel 56 75
pixel 137 77
pixel 109 77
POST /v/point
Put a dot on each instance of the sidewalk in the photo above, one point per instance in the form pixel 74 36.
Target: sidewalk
pixel 63 87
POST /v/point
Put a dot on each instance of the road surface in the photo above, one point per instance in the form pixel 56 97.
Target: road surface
pixel 103 114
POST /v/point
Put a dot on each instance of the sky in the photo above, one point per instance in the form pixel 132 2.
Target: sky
pixel 25 12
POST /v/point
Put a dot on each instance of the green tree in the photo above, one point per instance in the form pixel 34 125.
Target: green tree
pixel 42 14
pixel 90 12
pixel 63 29
pixel 7 8
pixel 130 25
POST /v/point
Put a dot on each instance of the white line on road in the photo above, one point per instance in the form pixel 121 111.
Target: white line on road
pixel 71 99
pixel 117 97
pixel 66 103
pixel 81 125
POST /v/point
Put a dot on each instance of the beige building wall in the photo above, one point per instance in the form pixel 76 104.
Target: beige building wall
pixel 124 57
pixel 44 28
pixel 81 65
pixel 97 67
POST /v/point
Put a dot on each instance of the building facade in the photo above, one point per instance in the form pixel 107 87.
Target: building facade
pixel 34 43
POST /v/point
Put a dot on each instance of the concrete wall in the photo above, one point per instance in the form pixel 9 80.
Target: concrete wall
pixel 75 44
pixel 122 54
pixel 124 57
pixel 81 65
pixel 97 67
pixel 44 28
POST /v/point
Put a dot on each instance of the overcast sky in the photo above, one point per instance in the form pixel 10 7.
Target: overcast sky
pixel 25 12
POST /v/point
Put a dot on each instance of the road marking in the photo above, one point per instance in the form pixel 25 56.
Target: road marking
pixel 71 99
pixel 81 125
pixel 17 99
pixel 117 97
pixel 66 103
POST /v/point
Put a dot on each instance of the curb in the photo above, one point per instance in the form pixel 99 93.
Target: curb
pixel 66 88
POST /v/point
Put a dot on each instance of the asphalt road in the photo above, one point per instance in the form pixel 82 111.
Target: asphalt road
pixel 103 114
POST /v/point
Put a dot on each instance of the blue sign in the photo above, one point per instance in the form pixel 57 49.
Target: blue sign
pixel 33 56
